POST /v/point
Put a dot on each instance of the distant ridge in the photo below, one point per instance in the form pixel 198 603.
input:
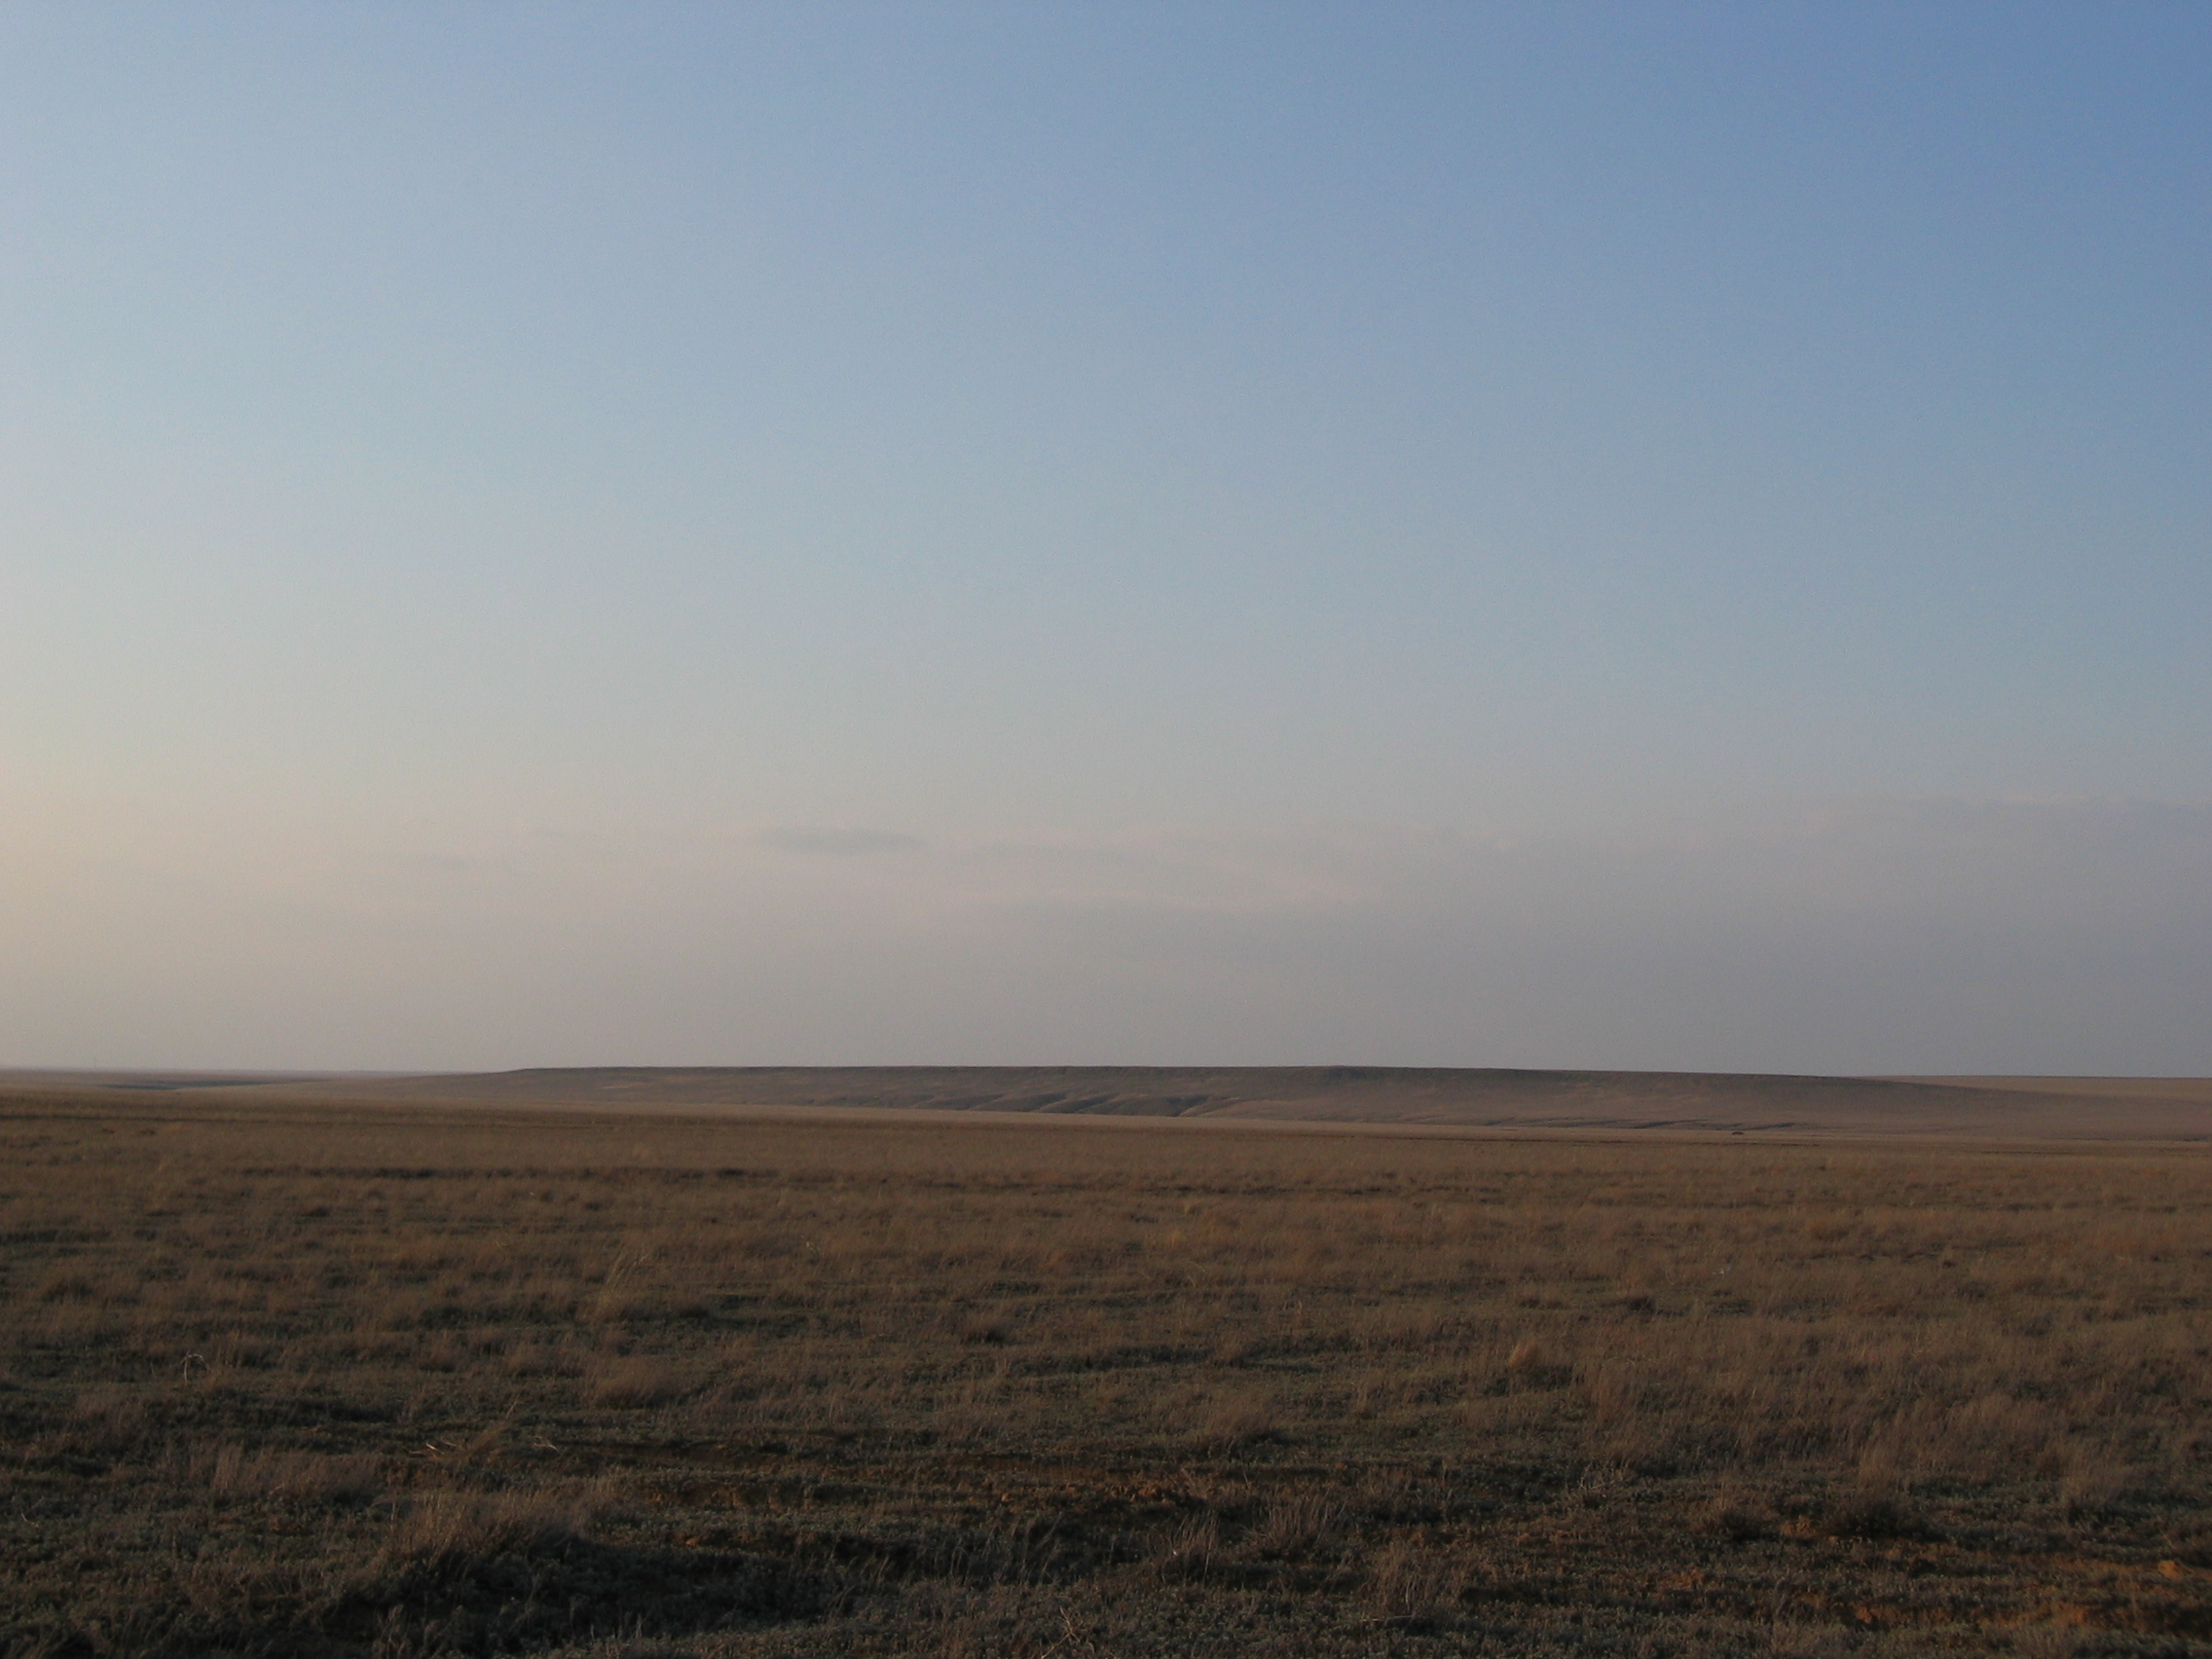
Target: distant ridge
pixel 1437 1097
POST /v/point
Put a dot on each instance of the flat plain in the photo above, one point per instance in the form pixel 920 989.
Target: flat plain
pixel 329 1368
pixel 1452 1098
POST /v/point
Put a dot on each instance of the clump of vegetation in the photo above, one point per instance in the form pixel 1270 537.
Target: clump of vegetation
pixel 371 1381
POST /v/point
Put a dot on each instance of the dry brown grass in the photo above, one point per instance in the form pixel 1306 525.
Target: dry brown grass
pixel 299 1381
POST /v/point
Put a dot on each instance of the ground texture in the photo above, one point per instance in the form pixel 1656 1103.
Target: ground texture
pixel 308 1380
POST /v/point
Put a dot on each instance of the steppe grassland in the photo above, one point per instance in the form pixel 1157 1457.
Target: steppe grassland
pixel 362 1380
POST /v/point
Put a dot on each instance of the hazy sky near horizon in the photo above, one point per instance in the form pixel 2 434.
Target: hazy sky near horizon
pixel 1640 535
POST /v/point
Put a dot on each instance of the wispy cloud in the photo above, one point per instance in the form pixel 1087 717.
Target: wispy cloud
pixel 1854 936
pixel 821 839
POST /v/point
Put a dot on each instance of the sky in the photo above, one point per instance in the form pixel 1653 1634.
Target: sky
pixel 1633 536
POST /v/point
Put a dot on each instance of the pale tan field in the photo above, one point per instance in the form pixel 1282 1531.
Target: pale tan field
pixel 286 1377
pixel 1646 1102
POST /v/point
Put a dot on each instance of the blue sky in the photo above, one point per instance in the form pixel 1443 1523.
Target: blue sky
pixel 1106 533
